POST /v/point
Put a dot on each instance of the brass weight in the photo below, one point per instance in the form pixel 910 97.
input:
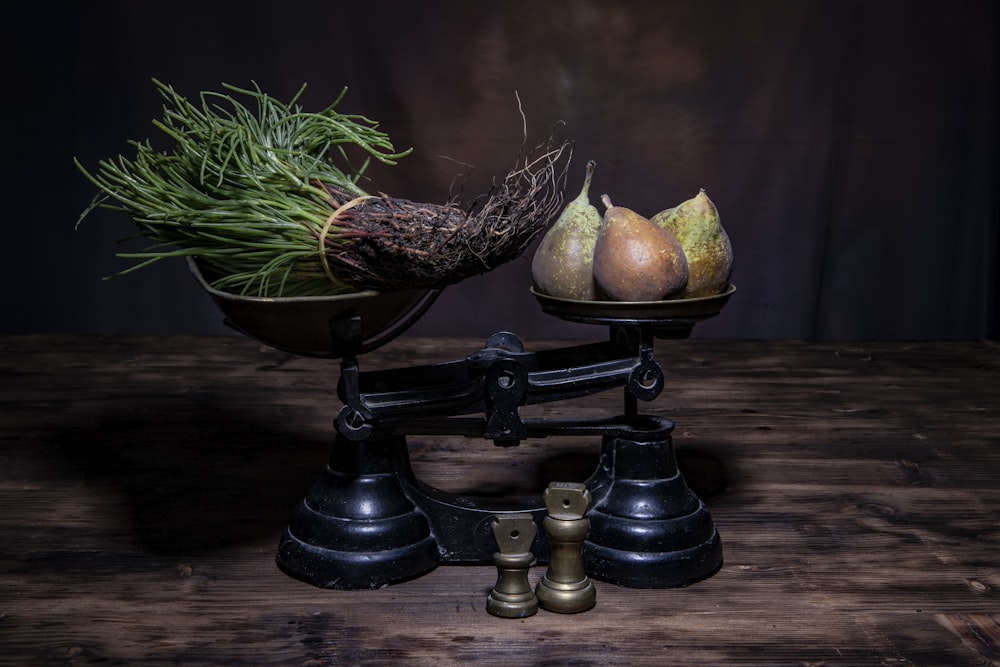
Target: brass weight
pixel 512 596
pixel 565 587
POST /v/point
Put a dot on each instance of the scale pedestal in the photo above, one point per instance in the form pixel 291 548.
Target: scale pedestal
pixel 369 522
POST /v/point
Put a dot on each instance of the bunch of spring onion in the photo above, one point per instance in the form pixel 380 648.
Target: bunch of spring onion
pixel 266 199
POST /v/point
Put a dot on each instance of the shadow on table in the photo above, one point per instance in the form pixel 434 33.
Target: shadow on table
pixel 196 475
pixel 203 473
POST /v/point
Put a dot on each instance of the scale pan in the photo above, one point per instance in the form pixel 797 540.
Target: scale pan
pixel 672 318
pixel 317 326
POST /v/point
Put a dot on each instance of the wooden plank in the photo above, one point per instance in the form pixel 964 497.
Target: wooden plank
pixel 144 483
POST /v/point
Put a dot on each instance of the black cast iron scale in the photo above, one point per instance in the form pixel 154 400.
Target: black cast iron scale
pixel 369 522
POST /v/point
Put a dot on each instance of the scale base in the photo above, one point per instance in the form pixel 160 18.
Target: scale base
pixel 648 529
pixel 357 528
pixel 368 522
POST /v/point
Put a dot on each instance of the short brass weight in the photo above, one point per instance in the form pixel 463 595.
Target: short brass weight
pixel 565 587
pixel 512 596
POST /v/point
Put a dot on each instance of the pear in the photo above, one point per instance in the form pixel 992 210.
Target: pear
pixel 636 259
pixel 563 262
pixel 697 225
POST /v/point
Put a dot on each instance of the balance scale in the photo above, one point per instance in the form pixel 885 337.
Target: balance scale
pixel 369 522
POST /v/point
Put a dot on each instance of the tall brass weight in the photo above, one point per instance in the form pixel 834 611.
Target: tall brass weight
pixel 565 587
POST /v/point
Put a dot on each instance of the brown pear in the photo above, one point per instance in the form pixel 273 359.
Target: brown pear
pixel 563 263
pixel 635 259
pixel 697 225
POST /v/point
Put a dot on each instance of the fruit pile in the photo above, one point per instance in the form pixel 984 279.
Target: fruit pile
pixel 682 252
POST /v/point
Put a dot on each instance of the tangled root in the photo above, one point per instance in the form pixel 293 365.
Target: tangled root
pixel 386 243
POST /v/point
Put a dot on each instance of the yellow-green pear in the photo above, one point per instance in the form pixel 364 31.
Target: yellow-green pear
pixel 563 262
pixel 697 225
pixel 636 259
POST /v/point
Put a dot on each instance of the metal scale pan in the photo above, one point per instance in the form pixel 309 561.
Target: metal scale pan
pixel 674 318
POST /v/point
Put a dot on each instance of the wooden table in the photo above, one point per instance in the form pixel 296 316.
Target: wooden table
pixel 144 484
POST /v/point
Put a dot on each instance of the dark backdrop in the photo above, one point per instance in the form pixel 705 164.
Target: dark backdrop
pixel 851 147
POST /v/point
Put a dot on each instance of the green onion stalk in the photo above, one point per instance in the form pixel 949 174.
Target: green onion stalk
pixel 266 199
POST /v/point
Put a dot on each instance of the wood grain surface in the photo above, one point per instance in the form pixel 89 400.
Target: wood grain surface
pixel 145 482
